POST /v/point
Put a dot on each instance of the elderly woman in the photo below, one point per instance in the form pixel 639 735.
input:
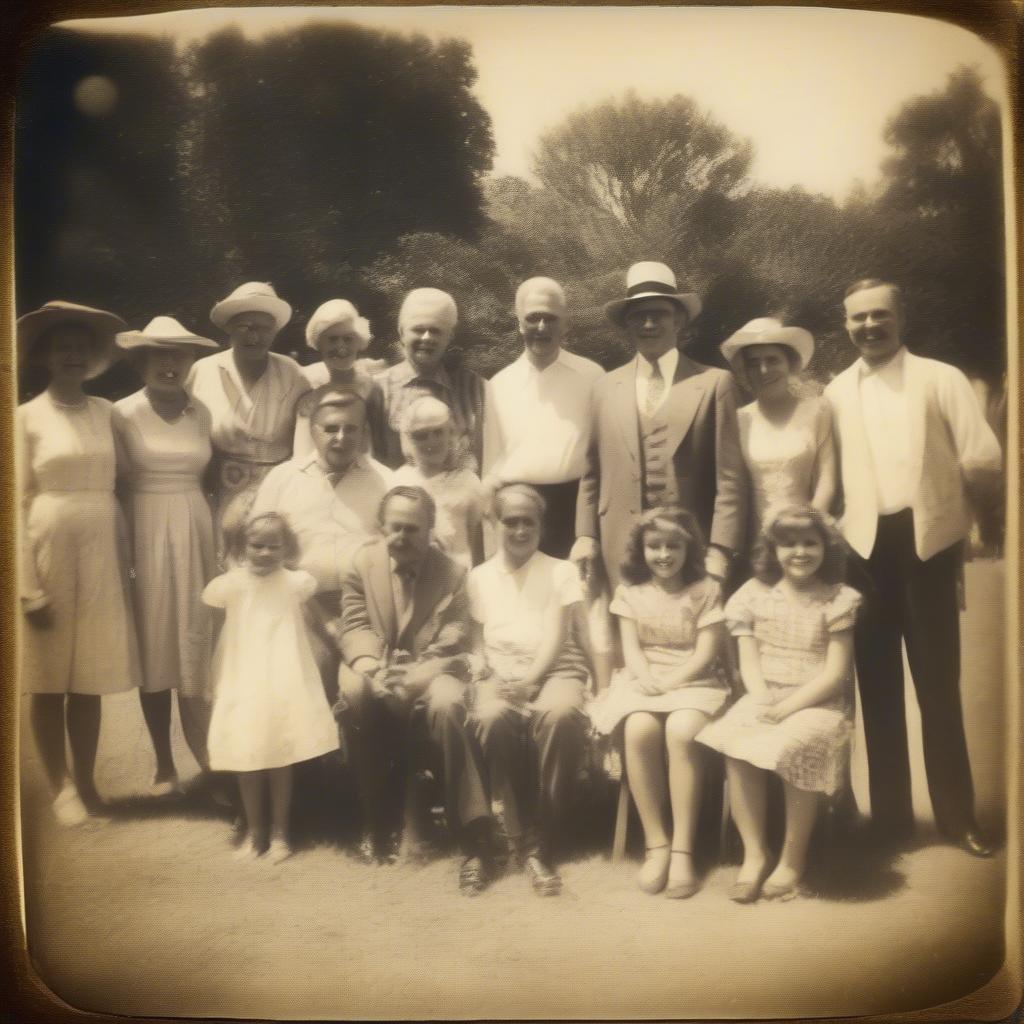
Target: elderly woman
pixel 339 334
pixel 529 708
pixel 165 434
pixel 251 393
pixel 80 638
pixel 786 440
pixel 426 323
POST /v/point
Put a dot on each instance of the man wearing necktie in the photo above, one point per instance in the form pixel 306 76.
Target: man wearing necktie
pixel 664 432
pixel 404 631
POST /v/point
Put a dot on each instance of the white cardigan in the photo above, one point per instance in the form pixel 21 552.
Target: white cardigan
pixel 950 442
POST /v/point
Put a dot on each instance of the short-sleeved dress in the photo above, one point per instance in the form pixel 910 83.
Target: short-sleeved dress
pixel 810 748
pixel 269 708
pixel 174 556
pixel 75 551
pixel 785 462
pixel 458 495
pixel 667 626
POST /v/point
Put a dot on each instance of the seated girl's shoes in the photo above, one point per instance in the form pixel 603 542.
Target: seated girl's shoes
pixel 472 876
pixel 247 850
pixel 654 873
pixel 68 807
pixel 680 888
pixel 544 881
pixel 279 850
pixel 166 786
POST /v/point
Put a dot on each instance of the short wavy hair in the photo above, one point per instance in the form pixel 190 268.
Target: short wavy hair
pixel 780 528
pixel 411 492
pixel 240 537
pixel 634 568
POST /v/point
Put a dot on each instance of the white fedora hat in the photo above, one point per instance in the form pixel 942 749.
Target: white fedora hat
pixel 766 330
pixel 649 280
pixel 337 311
pixel 102 325
pixel 163 332
pixel 252 297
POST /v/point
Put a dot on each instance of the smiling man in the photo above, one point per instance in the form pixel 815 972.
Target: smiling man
pixel 664 432
pixel 426 325
pixel 538 427
pixel 913 443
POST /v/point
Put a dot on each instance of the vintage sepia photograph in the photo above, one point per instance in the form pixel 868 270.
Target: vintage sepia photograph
pixel 514 517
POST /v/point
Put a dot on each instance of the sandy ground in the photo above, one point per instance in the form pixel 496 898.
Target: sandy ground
pixel 147 913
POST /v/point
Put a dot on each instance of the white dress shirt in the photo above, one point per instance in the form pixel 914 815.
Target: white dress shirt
pixel 887 424
pixel 667 364
pixel 540 422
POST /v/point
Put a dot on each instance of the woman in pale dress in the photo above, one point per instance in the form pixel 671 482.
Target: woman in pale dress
pixel 165 434
pixel 786 440
pixel 340 335
pixel 79 640
pixel 251 393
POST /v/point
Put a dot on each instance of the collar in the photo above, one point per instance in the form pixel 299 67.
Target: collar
pixel 560 360
pixel 412 570
pixel 895 365
pixel 502 565
pixel 667 363
pixel 313 460
pixel 405 373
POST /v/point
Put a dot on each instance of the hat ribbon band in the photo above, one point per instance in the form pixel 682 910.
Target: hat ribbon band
pixel 650 286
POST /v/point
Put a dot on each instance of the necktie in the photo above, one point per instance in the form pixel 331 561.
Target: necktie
pixel 655 390
pixel 406 582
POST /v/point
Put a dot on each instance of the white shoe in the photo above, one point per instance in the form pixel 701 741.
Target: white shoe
pixel 279 851
pixel 165 787
pixel 247 851
pixel 68 806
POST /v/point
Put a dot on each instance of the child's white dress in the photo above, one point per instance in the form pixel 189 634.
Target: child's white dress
pixel 269 707
pixel 810 748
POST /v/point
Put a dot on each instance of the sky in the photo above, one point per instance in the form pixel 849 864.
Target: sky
pixel 811 88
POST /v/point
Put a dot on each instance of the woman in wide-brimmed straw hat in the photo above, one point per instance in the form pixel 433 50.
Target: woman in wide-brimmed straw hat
pixel 340 335
pixel 786 440
pixel 251 393
pixel 165 435
pixel 79 641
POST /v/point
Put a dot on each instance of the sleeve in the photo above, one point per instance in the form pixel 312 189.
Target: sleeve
pixel 29 588
pixel 303 441
pixel 709 610
pixel 376 420
pixel 358 637
pixel 219 591
pixel 590 482
pixel 621 604
pixel 568 588
pixel 474 596
pixel 841 611
pixel 731 492
pixel 494 443
pixel 975 440
pixel 739 610
pixel 303 585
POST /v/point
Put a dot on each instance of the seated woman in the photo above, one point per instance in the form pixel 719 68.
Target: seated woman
pixel 672 633
pixel 529 706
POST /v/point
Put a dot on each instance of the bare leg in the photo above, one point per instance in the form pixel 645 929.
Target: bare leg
pixel 194 713
pixel 801 811
pixel 156 710
pixel 280 801
pixel 251 786
pixel 83 720
pixel 685 773
pixel 644 736
pixel 47 717
pixel 748 793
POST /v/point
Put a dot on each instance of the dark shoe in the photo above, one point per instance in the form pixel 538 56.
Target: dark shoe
pixel 976 844
pixel 544 881
pixel 389 847
pixel 365 851
pixel 472 876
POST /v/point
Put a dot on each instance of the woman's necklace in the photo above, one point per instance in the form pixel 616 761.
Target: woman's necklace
pixel 79 399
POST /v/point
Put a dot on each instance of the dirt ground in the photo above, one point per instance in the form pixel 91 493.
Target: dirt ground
pixel 146 913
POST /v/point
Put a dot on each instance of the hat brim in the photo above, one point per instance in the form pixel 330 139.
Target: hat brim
pixel 688 301
pixel 104 327
pixel 223 311
pixel 797 339
pixel 136 341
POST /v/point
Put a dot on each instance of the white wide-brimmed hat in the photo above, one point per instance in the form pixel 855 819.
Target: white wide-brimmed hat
pixel 100 323
pixel 648 280
pixel 766 330
pixel 337 311
pixel 252 297
pixel 163 332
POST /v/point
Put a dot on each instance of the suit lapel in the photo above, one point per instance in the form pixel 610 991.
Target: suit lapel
pixel 624 404
pixel 684 398
pixel 382 595
pixel 431 586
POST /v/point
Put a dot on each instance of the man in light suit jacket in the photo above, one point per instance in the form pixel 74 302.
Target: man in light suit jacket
pixel 403 633
pixel 913 442
pixel 664 432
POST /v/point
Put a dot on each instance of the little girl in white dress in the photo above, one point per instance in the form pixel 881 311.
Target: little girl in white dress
pixel 269 707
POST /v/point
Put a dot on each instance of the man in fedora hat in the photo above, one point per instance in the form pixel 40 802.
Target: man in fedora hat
pixel 664 432
pixel 914 446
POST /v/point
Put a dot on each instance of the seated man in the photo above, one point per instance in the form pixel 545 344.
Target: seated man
pixel 403 631
pixel 330 498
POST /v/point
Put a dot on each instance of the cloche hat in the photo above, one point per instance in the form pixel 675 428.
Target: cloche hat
pixel 649 280
pixel 252 297
pixel 103 325
pixel 766 330
pixel 163 332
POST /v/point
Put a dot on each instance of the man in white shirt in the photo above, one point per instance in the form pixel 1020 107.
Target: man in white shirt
pixel 538 427
pixel 913 441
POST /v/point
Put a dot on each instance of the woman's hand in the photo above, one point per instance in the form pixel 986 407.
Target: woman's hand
pixel 649 686
pixel 774 712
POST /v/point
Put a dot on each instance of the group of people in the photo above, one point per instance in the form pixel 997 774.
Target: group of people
pixel 473 579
